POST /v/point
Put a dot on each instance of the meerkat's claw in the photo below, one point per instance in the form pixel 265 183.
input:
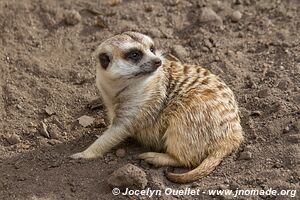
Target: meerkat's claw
pixel 83 155
pixel 77 156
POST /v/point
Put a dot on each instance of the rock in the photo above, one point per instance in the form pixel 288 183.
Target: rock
pixel 53 142
pixel 121 153
pixel 263 93
pixel 234 186
pixel 210 17
pixel 49 111
pixel 207 43
pixel 173 2
pixel 241 35
pixel 293 138
pixel 54 131
pixel 249 82
pixel 155 33
pixel 256 113
pixel 283 34
pixel 13 139
pixel 236 16
pixel 99 123
pixel 237 2
pixel 286 129
pixel 271 73
pixel 179 51
pixel 72 17
pixel 95 104
pixel 128 176
pixel 246 155
pixel 222 187
pixel 43 130
pixel 114 2
pixel 283 84
pixel 296 98
pixel 281 67
pixel 149 8
pixel 205 49
pixel 86 121
pixel 296 126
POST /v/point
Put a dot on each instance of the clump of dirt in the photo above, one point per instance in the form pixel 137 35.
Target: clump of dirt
pixel 47 83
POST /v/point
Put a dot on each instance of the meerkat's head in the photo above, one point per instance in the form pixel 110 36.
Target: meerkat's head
pixel 128 55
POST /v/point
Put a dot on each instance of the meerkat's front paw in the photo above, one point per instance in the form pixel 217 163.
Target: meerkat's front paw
pixel 84 155
pixel 77 156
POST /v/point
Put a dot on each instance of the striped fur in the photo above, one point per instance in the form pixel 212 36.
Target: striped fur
pixel 186 114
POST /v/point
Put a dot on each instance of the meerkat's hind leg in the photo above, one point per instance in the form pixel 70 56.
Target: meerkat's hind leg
pixel 159 159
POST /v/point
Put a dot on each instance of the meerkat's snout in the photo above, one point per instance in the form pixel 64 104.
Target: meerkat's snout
pixel 156 63
pixel 150 66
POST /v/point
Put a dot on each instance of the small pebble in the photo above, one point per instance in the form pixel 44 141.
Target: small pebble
pixel 233 186
pixel 236 16
pixel 246 155
pixel 204 49
pixel 173 2
pixel 210 16
pixel 149 8
pixel 296 126
pixel 281 67
pixel 263 93
pixel 194 185
pixel 115 2
pixel 256 113
pixel 293 138
pixel 49 111
pixel 99 123
pixel 237 2
pixel 54 131
pixel 72 17
pixel 283 85
pixel 286 129
pixel 179 51
pixel 121 153
pixel 43 130
pixel 271 73
pixel 13 139
pixel 86 121
pixel 207 43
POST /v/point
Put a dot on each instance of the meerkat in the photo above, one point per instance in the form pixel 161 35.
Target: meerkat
pixel 186 114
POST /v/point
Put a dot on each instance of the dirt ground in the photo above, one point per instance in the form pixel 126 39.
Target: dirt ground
pixel 47 78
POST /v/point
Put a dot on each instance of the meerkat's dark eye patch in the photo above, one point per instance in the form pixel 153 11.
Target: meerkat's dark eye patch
pixel 134 55
pixel 104 60
pixel 152 49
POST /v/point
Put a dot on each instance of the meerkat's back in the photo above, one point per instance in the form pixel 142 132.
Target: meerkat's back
pixel 202 112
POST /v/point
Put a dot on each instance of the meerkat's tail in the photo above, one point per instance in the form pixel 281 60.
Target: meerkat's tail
pixel 205 168
pixel 213 159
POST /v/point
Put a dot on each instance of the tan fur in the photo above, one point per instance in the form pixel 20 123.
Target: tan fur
pixel 183 111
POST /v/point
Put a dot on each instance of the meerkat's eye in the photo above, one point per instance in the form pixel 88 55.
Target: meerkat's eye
pixel 104 60
pixel 152 49
pixel 134 55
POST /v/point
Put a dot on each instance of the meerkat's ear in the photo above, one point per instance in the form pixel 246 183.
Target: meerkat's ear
pixel 104 60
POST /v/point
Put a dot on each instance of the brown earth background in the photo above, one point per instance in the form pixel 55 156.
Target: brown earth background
pixel 47 79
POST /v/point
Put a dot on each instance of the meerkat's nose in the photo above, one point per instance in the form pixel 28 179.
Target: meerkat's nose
pixel 157 62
